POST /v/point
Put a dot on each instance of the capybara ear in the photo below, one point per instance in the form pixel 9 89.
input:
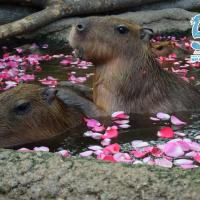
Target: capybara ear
pixel 146 34
pixel 49 94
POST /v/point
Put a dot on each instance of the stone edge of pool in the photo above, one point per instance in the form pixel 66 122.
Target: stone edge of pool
pixel 44 175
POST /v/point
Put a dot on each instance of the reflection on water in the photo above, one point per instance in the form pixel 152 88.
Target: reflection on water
pixel 142 128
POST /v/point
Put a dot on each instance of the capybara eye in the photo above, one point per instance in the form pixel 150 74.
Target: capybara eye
pixel 160 48
pixel 22 108
pixel 122 29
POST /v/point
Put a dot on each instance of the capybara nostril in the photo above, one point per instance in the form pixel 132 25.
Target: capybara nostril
pixel 80 27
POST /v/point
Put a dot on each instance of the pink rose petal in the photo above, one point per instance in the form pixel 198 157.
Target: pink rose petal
pixel 64 153
pixel 183 162
pixel 136 162
pixel 86 153
pixel 106 142
pixel 122 157
pixel 163 116
pixel 95 148
pixel 111 132
pixel 19 50
pixel 155 151
pixel 197 137
pixel 124 126
pixel 154 119
pixel 176 121
pixel 88 134
pixel 28 77
pixel 139 144
pixel 173 149
pixel 49 81
pixel 197 158
pixel 184 145
pixel 10 84
pixel 97 136
pixel 120 115
pixel 138 154
pixel 91 123
pixel 24 150
pixel 148 160
pixel 180 134
pixel 98 128
pixel 109 158
pixel 98 152
pixel 194 146
pixel 111 149
pixel 163 162
pixel 122 121
pixel 191 154
pixel 66 62
pixel 41 149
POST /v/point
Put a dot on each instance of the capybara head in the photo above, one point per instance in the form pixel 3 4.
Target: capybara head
pixel 31 113
pixel 102 39
pixel 163 48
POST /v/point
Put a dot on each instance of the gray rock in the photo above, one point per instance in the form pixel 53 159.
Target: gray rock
pixel 161 21
pixel 49 176
pixel 184 4
pixel 9 13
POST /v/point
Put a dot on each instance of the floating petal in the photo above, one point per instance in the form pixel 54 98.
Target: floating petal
pixel 166 132
pixel 176 121
pixel 163 116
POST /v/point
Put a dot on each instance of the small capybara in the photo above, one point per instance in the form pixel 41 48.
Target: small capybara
pixel 127 74
pixel 31 113
pixel 165 48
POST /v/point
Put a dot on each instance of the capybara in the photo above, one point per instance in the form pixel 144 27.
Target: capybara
pixel 31 113
pixel 127 74
pixel 165 48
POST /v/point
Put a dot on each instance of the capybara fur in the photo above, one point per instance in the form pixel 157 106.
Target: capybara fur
pixel 127 74
pixel 31 113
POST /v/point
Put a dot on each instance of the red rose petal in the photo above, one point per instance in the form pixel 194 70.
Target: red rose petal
pixel 166 132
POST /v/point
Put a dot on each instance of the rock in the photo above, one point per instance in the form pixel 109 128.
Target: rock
pixel 48 176
pixel 10 13
pixel 168 20
pixel 161 21
pixel 184 4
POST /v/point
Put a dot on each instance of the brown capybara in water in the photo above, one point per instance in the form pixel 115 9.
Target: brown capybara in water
pixel 127 75
pixel 165 48
pixel 31 113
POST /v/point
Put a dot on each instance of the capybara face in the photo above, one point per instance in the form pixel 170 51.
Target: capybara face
pixel 163 48
pixel 101 39
pixel 31 113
